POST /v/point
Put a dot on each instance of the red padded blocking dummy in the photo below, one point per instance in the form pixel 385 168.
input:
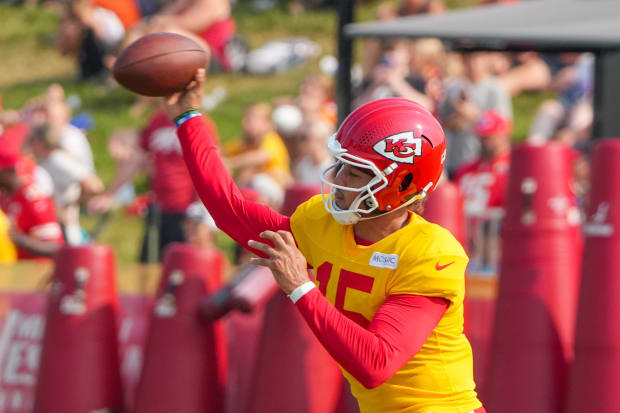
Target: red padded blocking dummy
pixel 248 292
pixel 294 372
pixel 79 369
pixel 595 378
pixel 296 195
pixel 292 359
pixel 538 285
pixel 445 207
pixel 184 360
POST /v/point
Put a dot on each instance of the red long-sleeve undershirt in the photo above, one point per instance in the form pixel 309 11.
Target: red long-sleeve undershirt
pixel 398 329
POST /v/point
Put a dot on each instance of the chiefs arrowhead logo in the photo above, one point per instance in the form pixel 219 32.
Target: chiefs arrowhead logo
pixel 402 147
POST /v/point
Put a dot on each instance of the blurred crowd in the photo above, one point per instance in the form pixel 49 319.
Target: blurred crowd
pixel 47 174
pixel 94 31
pixel 282 144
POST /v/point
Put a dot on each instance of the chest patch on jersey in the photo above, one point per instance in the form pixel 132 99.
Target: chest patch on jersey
pixel 381 260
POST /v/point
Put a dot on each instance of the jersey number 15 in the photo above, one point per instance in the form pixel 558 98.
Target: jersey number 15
pixel 347 279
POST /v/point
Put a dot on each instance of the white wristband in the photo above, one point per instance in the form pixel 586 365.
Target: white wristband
pixel 301 291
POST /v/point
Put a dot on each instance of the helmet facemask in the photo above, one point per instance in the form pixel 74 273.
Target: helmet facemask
pixel 365 202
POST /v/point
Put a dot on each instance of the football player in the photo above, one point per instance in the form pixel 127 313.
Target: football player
pixel 387 302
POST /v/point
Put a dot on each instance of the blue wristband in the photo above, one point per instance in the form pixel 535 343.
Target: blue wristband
pixel 182 118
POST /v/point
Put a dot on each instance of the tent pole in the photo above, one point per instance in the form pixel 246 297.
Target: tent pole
pixel 606 122
pixel 345 59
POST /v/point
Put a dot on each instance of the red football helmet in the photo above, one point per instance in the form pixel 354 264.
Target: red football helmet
pixel 400 143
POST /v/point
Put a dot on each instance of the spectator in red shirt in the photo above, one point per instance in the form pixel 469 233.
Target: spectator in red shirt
pixel 34 228
pixel 483 183
pixel 159 152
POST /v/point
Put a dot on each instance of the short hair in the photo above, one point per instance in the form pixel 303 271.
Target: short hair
pixel 430 49
pixel 46 134
pixel 262 108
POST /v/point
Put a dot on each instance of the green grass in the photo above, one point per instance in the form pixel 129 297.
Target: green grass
pixel 123 232
pixel 29 63
pixel 525 107
pixel 27 39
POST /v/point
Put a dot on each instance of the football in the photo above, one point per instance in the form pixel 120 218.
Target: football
pixel 159 64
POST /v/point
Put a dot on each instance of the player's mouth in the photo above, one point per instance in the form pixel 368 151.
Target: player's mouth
pixel 339 198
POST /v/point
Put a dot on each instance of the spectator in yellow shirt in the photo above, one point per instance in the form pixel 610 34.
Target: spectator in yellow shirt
pixel 261 151
pixel 8 253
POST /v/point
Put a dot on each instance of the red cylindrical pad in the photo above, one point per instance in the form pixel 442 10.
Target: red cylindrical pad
pixel 445 207
pixel 184 360
pixel 296 195
pixel 595 378
pixel 294 372
pixel 79 369
pixel 538 285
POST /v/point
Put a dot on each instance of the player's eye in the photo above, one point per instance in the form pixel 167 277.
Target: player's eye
pixel 339 166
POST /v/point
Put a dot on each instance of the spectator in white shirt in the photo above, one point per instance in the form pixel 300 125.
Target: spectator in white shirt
pixel 316 158
pixel 71 178
pixel 72 139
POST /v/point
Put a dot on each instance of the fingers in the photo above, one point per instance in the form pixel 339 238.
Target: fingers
pixel 198 81
pixel 260 246
pixel 173 99
pixel 287 237
pixel 201 75
pixel 274 237
pixel 282 240
pixel 263 262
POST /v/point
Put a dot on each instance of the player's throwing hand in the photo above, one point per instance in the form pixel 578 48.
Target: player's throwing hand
pixel 189 99
pixel 286 262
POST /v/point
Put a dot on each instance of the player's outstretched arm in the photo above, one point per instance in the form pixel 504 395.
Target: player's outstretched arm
pixel 241 219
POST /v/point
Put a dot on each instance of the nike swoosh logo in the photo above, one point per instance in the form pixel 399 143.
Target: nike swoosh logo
pixel 441 267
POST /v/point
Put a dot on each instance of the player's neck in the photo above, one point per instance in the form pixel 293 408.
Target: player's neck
pixel 374 230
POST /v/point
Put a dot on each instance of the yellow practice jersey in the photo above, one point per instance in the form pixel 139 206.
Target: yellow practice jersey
pixel 419 259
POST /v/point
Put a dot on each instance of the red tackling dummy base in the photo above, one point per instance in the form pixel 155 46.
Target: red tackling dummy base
pixel 538 285
pixel 595 377
pixel 297 195
pixel 445 207
pixel 79 369
pixel 294 372
pixel 184 360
